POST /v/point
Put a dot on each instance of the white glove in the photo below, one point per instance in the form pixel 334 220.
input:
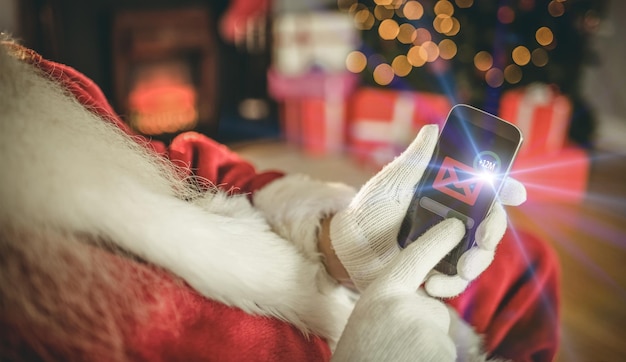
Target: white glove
pixel 364 235
pixel 393 320
pixel 488 235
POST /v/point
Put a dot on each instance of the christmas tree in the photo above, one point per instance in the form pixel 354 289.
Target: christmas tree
pixel 472 51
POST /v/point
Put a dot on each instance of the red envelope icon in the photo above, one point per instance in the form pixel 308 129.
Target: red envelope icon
pixel 459 181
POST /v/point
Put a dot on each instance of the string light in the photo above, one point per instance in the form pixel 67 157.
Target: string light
pixel 447 49
pixel 413 10
pixel 444 7
pixel 406 33
pixel 432 51
pixel 483 60
pixel 383 12
pixel 356 61
pixel 540 57
pixel 556 8
pixel 401 66
pixel 544 36
pixel 443 23
pixel 345 5
pixel 425 50
pixel 512 74
pixel 506 15
pixel 521 55
pixel 383 74
pixel 364 19
pixel 388 29
pixel 456 27
pixel 464 3
pixel 417 56
pixel 494 77
pixel 422 35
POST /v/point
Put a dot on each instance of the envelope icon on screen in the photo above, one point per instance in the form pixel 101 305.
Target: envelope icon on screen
pixel 458 180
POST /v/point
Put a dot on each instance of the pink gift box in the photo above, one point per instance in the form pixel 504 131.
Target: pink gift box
pixel 316 124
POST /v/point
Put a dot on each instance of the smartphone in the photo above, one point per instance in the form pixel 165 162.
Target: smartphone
pixel 472 158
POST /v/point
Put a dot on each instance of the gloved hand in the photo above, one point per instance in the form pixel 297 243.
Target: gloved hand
pixel 364 235
pixel 488 234
pixel 393 320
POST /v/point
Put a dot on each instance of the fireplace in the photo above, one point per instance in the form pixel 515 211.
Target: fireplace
pixel 161 63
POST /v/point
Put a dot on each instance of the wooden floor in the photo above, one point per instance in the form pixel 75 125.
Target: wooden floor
pixel 589 237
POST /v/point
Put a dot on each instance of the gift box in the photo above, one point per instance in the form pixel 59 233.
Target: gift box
pixel 313 108
pixel 316 124
pixel 314 84
pixel 382 123
pixel 313 40
pixel 542 114
pixel 558 177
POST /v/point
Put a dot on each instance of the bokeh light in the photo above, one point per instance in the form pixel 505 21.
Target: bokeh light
pixel 456 27
pixel 556 8
pixel 483 60
pixel 506 15
pixel 494 77
pixel 345 5
pixel 383 74
pixel 512 74
pixel 383 12
pixel 401 66
pixel 417 56
pixel 447 49
pixel 444 7
pixel 464 3
pixel 540 57
pixel 388 29
pixel 406 33
pixel 413 10
pixel 363 19
pixel 356 61
pixel 521 55
pixel 432 51
pixel 383 2
pixel 544 36
pixel 443 23
pixel 422 35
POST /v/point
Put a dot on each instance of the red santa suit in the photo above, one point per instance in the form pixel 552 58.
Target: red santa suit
pixel 514 304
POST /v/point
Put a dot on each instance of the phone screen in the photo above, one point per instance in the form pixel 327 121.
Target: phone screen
pixel 472 158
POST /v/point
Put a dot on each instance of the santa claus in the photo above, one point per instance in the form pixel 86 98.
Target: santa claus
pixel 115 247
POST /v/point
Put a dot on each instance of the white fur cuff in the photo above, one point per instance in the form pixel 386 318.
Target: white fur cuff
pixel 295 204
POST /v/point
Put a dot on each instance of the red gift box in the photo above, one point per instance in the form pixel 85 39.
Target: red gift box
pixel 316 124
pixel 382 123
pixel 542 114
pixel 559 177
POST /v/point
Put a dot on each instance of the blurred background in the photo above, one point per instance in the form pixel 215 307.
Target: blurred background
pixel 337 88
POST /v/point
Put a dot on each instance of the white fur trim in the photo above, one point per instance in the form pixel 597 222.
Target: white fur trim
pixel 295 204
pixel 66 170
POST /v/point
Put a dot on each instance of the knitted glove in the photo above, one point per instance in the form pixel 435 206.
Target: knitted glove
pixel 364 235
pixel 393 320
pixel 488 234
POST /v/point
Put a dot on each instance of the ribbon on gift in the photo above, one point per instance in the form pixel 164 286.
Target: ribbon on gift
pixel 394 135
pixel 397 131
pixel 543 116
